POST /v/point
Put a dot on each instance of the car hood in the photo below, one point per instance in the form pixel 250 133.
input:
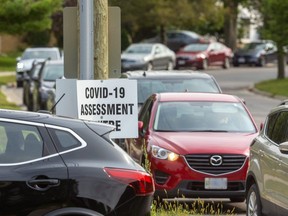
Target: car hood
pixel 182 53
pixel 204 142
pixel 135 57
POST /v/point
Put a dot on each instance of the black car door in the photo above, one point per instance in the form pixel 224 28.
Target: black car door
pixel 32 175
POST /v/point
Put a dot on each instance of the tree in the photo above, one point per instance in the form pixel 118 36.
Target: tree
pixel 275 27
pixel 20 16
pixel 144 19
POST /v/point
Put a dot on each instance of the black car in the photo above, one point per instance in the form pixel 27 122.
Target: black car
pixel 257 53
pixel 52 166
pixel 45 81
pixel 28 83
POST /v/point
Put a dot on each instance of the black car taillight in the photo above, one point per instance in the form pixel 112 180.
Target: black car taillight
pixel 142 182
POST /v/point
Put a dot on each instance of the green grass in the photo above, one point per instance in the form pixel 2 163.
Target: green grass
pixel 4 104
pixel 274 87
pixel 8 62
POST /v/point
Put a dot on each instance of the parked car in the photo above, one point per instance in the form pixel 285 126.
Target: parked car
pixel 203 55
pixel 45 81
pixel 28 83
pixel 62 166
pixel 267 174
pixel 24 63
pixel 149 82
pixel 257 53
pixel 197 144
pixel 147 56
pixel 177 39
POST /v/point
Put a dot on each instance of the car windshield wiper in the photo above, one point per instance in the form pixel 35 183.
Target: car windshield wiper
pixel 224 131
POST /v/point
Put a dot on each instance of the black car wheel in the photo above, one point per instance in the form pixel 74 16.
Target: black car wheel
pixel 170 65
pixel 226 63
pixel 204 65
pixel 253 207
pixel 149 66
pixel 262 61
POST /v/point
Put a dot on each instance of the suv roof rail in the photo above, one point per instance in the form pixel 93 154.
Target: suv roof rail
pixel 284 102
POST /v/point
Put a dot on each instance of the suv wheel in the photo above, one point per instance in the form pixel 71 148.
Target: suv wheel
pixel 253 207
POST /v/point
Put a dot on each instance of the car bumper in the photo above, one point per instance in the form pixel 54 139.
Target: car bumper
pixel 177 179
pixel 245 60
pixel 185 190
pixel 131 67
pixel 188 63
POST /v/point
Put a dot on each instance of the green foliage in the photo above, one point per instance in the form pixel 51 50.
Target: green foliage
pixel 275 18
pixel 144 19
pixel 19 16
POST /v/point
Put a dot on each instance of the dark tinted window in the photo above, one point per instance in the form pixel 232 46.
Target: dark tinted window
pixel 270 124
pixel 64 140
pixel 19 143
pixel 279 133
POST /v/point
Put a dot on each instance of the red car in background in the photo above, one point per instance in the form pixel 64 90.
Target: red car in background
pixel 197 144
pixel 203 55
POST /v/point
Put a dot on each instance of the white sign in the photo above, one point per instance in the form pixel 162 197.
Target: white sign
pixel 111 101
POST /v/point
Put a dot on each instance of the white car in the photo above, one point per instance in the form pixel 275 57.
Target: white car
pixel 147 56
pixel 25 62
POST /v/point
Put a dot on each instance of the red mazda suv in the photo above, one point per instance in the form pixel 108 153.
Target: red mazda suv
pixel 197 144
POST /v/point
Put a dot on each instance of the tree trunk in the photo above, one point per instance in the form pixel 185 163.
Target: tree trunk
pixel 281 57
pixel 163 38
pixel 101 39
pixel 230 23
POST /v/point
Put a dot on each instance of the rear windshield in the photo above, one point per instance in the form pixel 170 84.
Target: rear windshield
pixel 53 72
pixel 148 87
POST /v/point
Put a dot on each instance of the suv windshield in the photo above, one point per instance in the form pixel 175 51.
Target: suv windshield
pixel 39 54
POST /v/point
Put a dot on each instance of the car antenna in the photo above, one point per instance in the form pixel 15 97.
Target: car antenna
pixel 51 110
pixel 144 73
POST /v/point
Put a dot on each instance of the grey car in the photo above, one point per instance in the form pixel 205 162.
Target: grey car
pixel 45 82
pixel 147 56
pixel 267 178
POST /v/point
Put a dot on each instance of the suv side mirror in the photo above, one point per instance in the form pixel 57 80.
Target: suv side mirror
pixel 283 147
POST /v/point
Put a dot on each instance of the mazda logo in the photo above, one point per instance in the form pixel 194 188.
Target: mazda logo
pixel 216 160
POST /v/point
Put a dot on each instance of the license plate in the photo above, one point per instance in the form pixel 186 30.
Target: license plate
pixel 216 183
pixel 241 60
pixel 181 62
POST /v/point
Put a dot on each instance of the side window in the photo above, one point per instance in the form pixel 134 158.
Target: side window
pixel 280 128
pixel 64 140
pixel 19 143
pixel 270 125
pixel 145 113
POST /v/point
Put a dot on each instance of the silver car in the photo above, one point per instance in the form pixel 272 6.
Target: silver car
pixel 147 56
pixel 267 178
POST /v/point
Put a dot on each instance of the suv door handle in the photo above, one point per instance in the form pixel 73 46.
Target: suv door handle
pixel 43 184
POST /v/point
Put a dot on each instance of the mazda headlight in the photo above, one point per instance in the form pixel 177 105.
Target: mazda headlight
pixel 164 154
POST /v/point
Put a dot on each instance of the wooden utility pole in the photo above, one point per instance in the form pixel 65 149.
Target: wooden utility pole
pixel 101 39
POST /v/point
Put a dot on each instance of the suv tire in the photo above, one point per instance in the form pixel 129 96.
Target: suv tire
pixel 253 206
